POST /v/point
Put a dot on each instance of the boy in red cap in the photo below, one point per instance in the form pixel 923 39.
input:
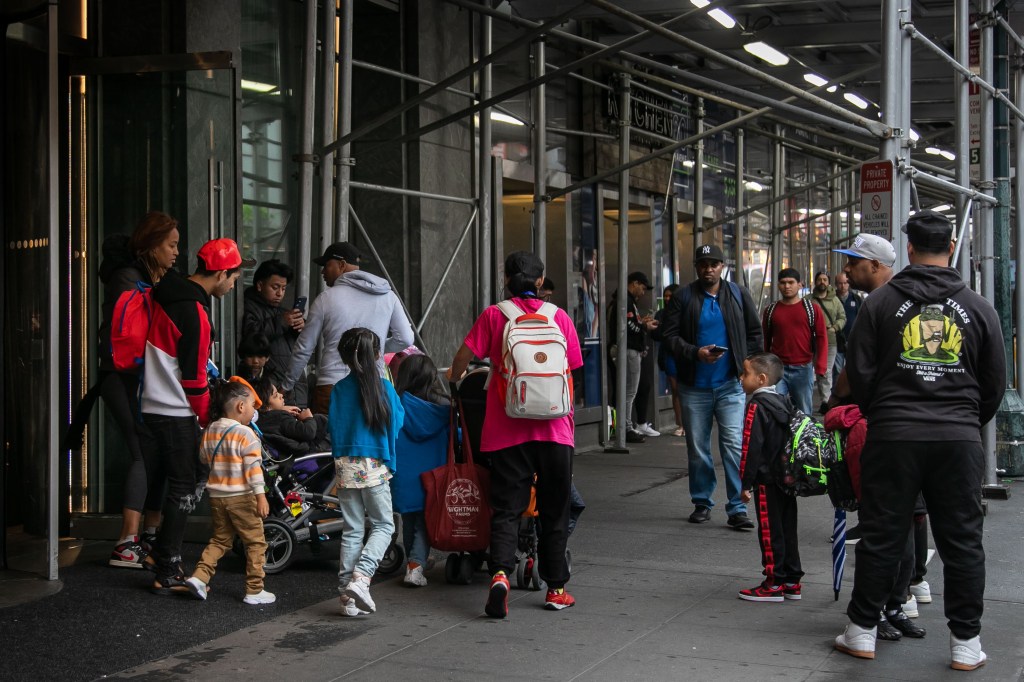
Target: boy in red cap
pixel 176 392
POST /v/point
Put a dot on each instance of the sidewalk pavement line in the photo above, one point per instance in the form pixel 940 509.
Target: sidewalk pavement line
pixel 417 642
pixel 644 634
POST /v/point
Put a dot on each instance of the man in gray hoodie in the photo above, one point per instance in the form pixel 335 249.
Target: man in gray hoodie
pixel 353 299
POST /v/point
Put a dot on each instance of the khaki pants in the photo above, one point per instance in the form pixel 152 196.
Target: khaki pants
pixel 321 402
pixel 233 515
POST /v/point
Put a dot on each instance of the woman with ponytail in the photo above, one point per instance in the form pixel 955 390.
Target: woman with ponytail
pixel 365 418
pixel 522 449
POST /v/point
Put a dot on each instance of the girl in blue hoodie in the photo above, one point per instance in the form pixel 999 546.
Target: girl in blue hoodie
pixel 423 445
pixel 365 418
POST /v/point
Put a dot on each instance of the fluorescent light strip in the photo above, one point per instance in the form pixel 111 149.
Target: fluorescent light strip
pixel 505 118
pixel 722 18
pixel 766 52
pixel 256 86
pixel 855 100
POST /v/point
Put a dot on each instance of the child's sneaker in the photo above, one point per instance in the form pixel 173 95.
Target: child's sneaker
pixel 349 608
pixel 359 590
pixel 414 576
pixel 922 591
pixel 197 587
pixel 148 541
pixel 910 607
pixel 763 593
pixel 497 597
pixel 791 591
pixel 128 554
pixel 261 597
pixel 558 599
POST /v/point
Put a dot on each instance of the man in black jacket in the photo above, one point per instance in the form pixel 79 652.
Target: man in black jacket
pixel 927 367
pixel 280 325
pixel 710 327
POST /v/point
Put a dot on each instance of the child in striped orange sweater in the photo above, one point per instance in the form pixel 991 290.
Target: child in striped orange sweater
pixel 238 501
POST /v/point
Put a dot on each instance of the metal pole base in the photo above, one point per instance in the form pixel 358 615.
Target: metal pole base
pixel 616 450
pixel 995 491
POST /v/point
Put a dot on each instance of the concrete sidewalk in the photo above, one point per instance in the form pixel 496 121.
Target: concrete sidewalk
pixel 656 599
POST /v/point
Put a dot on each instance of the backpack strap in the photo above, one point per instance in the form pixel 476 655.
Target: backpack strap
pixel 769 332
pixel 809 309
pixel 510 310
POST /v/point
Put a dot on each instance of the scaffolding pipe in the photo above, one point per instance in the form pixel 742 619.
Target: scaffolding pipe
pixel 962 232
pixel 459 75
pixel 1018 190
pixel 580 133
pixel 485 257
pixel 384 270
pixel 343 156
pixel 962 129
pixel 306 159
pixel 1005 25
pixel 624 419
pixel 411 193
pixel 925 178
pixel 738 231
pixel 964 71
pixel 986 219
pixel 327 125
pixel 698 180
pixel 447 269
pixel 778 195
pixel 892 110
pixel 874 127
pixel 540 156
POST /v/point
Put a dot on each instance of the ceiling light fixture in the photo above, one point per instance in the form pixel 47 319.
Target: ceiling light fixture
pixel 948 156
pixel 722 18
pixel 256 86
pixel 505 118
pixel 943 207
pixel 933 150
pixel 766 52
pixel 914 136
pixel 855 100
pixel 753 186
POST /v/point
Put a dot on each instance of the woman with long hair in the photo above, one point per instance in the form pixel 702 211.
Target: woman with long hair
pixel 522 450
pixel 128 262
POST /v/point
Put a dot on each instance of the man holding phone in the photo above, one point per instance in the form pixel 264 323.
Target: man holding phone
pixel 264 314
pixel 710 327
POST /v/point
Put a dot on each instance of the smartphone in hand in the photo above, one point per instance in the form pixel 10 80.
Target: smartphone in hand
pixel 718 350
pixel 300 304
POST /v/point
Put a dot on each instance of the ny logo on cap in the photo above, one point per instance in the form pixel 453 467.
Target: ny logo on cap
pixel 859 241
pixel 705 249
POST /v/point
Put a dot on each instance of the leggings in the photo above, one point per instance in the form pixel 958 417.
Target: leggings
pixel 142 488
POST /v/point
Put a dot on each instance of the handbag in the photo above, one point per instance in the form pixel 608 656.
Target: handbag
pixel 457 508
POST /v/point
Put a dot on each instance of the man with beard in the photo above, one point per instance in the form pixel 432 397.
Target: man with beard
pixel 835 319
pixel 851 301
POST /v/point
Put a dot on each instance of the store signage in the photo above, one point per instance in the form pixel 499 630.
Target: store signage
pixel 876 198
pixel 974 96
pixel 652 114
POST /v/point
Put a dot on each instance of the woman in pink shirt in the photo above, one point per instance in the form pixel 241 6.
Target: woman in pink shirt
pixel 523 448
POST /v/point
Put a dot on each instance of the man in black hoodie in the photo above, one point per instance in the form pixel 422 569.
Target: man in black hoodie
pixel 927 368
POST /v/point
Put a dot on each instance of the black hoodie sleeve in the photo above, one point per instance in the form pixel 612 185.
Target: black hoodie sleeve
pixel 991 375
pixel 861 355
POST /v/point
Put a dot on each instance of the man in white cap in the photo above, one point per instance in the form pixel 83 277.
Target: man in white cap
pixel 869 261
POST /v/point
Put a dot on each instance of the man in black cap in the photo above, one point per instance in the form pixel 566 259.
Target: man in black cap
pixel 710 327
pixel 637 326
pixel 927 368
pixel 353 298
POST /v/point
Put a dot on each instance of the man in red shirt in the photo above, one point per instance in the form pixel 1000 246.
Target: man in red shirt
pixel 794 329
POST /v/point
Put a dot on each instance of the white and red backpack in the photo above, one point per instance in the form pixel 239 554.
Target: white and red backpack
pixel 534 376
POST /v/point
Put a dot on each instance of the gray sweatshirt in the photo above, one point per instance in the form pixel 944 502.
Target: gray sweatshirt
pixel 357 299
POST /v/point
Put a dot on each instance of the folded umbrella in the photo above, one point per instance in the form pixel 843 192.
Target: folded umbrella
pixel 838 550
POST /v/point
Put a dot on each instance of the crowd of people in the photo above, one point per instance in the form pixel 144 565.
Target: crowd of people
pixel 920 359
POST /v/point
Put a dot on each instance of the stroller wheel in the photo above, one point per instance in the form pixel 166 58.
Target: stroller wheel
pixel 280 545
pixel 451 569
pixel 393 559
pixel 521 576
pixel 536 583
pixel 465 574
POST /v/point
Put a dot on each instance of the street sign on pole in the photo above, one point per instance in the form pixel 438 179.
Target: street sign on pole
pixel 876 198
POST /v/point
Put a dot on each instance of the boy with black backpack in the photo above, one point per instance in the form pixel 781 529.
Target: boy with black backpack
pixel 765 434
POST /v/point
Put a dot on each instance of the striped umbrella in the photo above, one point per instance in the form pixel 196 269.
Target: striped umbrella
pixel 838 550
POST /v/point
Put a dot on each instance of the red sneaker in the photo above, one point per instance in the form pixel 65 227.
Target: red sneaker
pixel 763 593
pixel 791 591
pixel 558 599
pixel 497 598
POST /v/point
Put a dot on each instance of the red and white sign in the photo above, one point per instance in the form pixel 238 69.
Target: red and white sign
pixel 974 101
pixel 876 198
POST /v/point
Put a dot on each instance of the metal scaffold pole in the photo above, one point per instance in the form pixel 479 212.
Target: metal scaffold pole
pixel 327 125
pixel 343 155
pixel 896 115
pixel 1018 222
pixel 739 224
pixel 985 216
pixel 963 143
pixel 540 158
pixel 698 180
pixel 306 158
pixel 623 419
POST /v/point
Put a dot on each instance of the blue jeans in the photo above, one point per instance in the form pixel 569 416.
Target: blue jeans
pixel 353 503
pixel 700 406
pixel 798 383
pixel 414 537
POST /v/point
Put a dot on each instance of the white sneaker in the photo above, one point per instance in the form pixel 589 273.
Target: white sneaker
pixel 647 430
pixel 415 577
pixel 966 653
pixel 197 587
pixel 359 590
pixel 261 597
pixel 349 608
pixel 910 607
pixel 922 591
pixel 857 641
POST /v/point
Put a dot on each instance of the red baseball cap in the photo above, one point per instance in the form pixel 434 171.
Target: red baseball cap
pixel 223 254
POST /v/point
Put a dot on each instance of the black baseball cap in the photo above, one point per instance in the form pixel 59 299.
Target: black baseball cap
pixel 929 230
pixel 341 251
pixel 639 277
pixel 708 252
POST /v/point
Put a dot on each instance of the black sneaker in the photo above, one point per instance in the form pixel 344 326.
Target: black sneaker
pixel 701 514
pixel 886 631
pixel 740 522
pixel 148 541
pixel 634 437
pixel 170 579
pixel 904 624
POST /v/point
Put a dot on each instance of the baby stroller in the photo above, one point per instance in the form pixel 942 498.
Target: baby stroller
pixel 304 512
pixel 470 398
